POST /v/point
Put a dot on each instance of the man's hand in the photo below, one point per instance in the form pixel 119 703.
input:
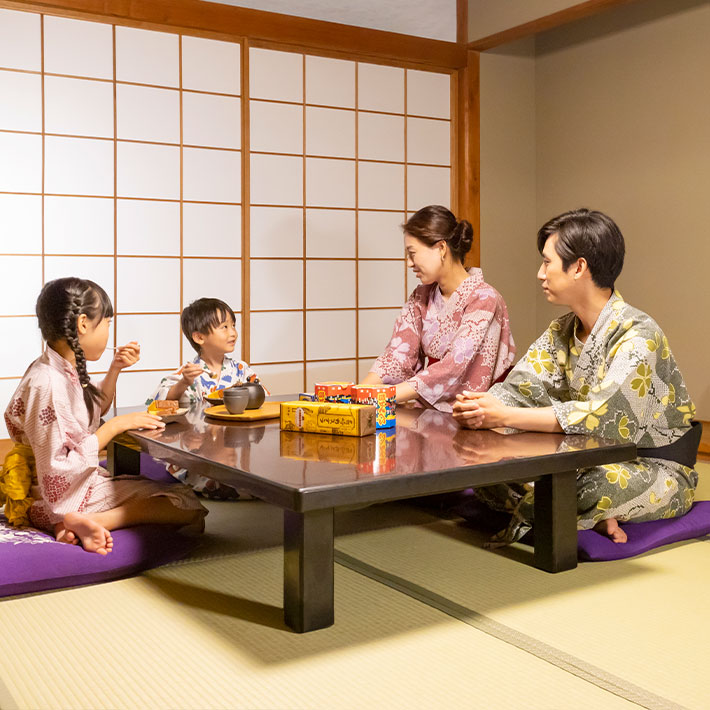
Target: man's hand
pixel 479 410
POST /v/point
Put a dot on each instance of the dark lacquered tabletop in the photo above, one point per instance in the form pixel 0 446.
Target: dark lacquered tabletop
pixel 425 443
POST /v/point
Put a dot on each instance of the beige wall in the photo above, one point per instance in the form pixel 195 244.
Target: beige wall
pixel 620 124
pixel 508 212
pixel 487 17
pixel 623 125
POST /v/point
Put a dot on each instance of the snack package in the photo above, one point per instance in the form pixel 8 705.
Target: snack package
pixel 384 397
pixel 328 418
pixel 333 391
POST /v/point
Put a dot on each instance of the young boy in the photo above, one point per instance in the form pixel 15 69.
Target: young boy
pixel 209 325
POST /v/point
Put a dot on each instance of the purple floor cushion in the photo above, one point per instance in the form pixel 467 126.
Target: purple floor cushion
pixel 33 561
pixel 591 545
pixel 643 537
pixel 153 469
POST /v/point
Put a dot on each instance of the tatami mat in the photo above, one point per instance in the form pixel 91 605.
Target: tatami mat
pixel 209 633
pixel 643 619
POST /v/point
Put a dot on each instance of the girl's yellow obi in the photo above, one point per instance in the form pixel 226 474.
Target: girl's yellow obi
pixel 17 477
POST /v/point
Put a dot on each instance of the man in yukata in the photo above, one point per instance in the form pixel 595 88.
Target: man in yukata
pixel 604 369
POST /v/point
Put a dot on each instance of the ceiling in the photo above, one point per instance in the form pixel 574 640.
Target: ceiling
pixel 434 19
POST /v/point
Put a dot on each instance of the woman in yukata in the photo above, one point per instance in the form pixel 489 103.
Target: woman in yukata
pixel 453 332
pixel 52 478
pixel 604 369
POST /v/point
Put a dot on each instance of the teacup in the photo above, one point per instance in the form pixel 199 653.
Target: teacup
pixel 236 399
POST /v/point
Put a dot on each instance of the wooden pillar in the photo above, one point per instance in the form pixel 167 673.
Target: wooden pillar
pixel 468 154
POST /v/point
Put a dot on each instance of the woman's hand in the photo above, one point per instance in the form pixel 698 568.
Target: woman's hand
pixel 190 372
pixel 479 410
pixel 126 355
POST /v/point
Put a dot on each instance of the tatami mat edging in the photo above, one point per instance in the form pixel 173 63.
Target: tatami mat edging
pixel 564 661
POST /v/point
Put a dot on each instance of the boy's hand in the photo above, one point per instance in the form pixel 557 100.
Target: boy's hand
pixel 190 372
pixel 126 355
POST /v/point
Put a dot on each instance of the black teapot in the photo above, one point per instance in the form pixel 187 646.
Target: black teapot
pixel 256 394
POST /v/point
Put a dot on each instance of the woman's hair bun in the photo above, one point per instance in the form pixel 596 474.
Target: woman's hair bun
pixel 461 239
pixel 435 223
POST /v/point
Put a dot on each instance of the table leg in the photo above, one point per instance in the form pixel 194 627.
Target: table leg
pixel 308 569
pixel 122 459
pixel 556 522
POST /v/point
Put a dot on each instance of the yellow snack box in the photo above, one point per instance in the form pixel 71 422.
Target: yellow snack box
pixel 328 418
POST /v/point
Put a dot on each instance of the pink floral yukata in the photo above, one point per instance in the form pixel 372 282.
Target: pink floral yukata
pixel 48 413
pixel 441 347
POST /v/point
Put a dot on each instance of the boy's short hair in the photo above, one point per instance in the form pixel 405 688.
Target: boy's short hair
pixel 203 316
pixel 591 235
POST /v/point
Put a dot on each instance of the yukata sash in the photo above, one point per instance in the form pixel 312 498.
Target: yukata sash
pixel 18 476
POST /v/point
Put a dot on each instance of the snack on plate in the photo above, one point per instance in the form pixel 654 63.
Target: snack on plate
pixel 164 407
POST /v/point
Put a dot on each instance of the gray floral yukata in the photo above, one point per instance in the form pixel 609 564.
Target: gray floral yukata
pixel 622 383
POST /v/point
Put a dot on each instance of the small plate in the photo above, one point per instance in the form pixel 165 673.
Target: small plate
pixel 215 397
pixel 174 417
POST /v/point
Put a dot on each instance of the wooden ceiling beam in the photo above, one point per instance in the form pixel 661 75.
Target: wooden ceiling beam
pixel 542 24
pixel 196 16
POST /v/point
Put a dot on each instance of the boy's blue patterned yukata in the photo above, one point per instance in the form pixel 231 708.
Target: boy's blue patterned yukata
pixel 234 372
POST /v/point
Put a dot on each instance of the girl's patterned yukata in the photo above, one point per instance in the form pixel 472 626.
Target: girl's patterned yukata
pixel 48 414
pixel 441 347
pixel 621 384
pixel 234 372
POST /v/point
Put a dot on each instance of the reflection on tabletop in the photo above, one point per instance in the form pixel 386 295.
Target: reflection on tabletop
pixel 424 440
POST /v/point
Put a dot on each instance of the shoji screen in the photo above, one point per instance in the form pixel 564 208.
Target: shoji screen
pixel 341 152
pixel 120 162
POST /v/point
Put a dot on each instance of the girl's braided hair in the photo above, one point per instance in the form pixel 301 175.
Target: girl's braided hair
pixel 59 306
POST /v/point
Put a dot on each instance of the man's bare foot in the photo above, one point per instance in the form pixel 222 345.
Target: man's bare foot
pixel 93 537
pixel 611 529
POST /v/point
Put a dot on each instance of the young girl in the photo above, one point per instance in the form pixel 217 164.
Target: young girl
pixel 56 411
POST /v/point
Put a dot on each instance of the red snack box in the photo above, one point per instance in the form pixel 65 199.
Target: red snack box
pixel 383 397
pixel 333 392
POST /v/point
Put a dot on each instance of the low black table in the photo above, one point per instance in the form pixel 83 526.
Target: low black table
pixel 312 475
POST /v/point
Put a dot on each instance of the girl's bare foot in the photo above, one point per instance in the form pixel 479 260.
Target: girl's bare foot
pixel 611 529
pixel 63 535
pixel 94 537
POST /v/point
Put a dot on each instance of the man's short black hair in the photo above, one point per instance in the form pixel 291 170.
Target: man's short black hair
pixel 590 235
pixel 203 316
